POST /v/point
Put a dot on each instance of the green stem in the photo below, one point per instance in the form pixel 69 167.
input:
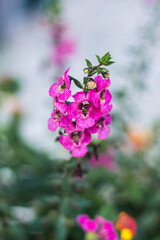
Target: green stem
pixel 89 74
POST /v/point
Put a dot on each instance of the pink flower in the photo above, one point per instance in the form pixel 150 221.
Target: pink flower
pixel 90 226
pixel 58 119
pixel 83 110
pixel 102 127
pixel 62 51
pixel 87 224
pixel 107 231
pixel 76 140
pixel 81 219
pixel 62 88
pixel 106 161
pixel 150 1
pixel 103 228
pixel 102 97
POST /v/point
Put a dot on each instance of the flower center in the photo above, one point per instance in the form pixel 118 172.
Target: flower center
pixel 102 95
pixel 57 114
pixel 63 86
pixel 76 136
pixel 85 107
pixel 100 122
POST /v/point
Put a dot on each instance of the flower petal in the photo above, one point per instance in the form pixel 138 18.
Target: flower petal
pixel 54 91
pixel 79 96
pixel 65 95
pixel 105 108
pixel 79 151
pixel 72 110
pixel 87 137
pixel 101 83
pixel 66 78
pixel 103 133
pixel 92 129
pixel 52 124
pixel 66 142
pixel 62 107
pixel 65 122
pixel 85 123
pixel 108 96
pixel 95 113
pixel 108 119
pixel 95 97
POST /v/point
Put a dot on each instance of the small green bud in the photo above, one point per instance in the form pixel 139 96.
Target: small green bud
pixel 86 70
pixel 105 75
pixel 104 70
pixel 91 236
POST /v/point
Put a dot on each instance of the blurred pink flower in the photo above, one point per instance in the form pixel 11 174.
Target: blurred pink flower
pixel 103 228
pixel 150 1
pixel 87 224
pixel 81 219
pixel 62 51
pixel 105 160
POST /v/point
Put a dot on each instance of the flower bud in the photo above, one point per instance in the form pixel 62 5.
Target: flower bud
pixel 91 84
pixel 106 74
pixel 91 236
pixel 104 70
pixel 86 70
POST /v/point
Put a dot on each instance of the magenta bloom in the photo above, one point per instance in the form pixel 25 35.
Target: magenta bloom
pixel 58 119
pixel 90 226
pixel 105 161
pixel 102 97
pixel 103 228
pixel 63 50
pixel 83 110
pixel 87 224
pixel 76 141
pixel 107 231
pixel 81 219
pixel 102 127
pixel 151 1
pixel 62 88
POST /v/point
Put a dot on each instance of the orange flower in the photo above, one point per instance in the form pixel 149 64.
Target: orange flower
pixel 139 138
pixel 126 222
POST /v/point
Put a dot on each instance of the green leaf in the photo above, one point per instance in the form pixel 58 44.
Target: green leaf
pixel 77 83
pixel 98 58
pixel 110 62
pixel 89 64
pixel 106 58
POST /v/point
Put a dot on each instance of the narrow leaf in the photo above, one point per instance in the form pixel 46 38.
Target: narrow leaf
pixel 109 63
pixel 89 64
pixel 106 57
pixel 98 58
pixel 77 83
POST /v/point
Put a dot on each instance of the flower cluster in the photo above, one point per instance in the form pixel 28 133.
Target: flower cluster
pixel 87 114
pixel 127 226
pixel 100 227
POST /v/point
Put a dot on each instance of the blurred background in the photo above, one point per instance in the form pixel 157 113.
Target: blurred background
pixel 39 40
